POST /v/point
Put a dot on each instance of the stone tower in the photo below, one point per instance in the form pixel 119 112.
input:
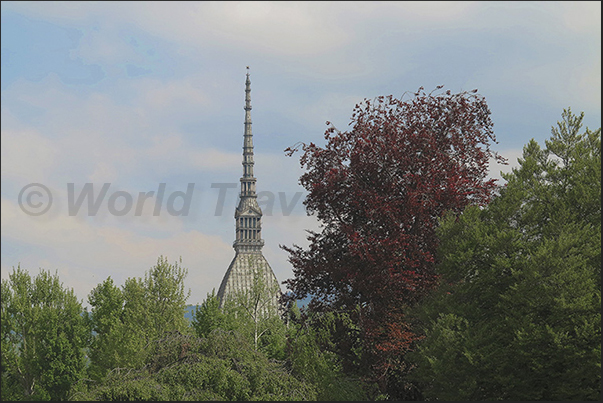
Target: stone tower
pixel 249 260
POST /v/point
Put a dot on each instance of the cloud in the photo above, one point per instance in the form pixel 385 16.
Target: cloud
pixel 104 45
pixel 583 17
pixel 101 138
pixel 184 95
pixel 335 40
pixel 314 39
pixel 213 159
pixel 27 156
pixel 85 253
pixel 298 28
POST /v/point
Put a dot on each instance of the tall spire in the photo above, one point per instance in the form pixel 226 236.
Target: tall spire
pixel 248 214
pixel 248 139
pixel 249 262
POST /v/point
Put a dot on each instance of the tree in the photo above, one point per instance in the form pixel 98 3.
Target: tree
pixel 165 296
pixel 310 354
pixel 126 320
pixel 107 347
pixel 208 316
pixel 518 314
pixel 378 191
pixel 293 345
pixel 257 306
pixel 221 366
pixel 43 337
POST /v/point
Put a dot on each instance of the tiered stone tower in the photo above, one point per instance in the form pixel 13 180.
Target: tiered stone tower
pixel 248 244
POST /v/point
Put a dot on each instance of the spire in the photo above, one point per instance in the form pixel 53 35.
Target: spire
pixel 249 262
pixel 248 214
pixel 248 137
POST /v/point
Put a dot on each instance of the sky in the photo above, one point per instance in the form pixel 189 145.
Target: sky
pixel 139 94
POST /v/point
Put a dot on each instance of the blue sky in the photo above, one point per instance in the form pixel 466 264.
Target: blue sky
pixel 141 93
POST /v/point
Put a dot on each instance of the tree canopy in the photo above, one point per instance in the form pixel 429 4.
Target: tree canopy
pixel 518 313
pixel 43 337
pixel 378 191
pixel 125 320
pixel 222 366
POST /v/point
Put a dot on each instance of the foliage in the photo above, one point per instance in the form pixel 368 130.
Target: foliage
pixel 296 347
pixel 108 345
pixel 310 354
pixel 221 366
pixel 126 320
pixel 208 316
pixel 518 314
pixel 43 337
pixel 165 296
pixel 379 190
pixel 257 307
pixel 266 334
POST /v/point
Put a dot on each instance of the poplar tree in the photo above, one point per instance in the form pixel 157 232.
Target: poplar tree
pixel 43 337
pixel 126 320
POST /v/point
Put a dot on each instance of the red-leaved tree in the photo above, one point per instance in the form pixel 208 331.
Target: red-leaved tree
pixel 378 191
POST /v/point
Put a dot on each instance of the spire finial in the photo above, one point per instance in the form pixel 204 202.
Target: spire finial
pixel 248 136
pixel 247 93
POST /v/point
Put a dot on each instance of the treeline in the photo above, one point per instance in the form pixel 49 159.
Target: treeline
pixel 446 286
pixel 136 344
pixel 426 282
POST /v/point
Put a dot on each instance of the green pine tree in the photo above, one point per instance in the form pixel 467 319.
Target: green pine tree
pixel 517 316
